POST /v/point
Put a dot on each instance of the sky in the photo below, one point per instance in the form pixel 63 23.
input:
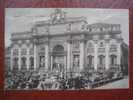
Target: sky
pixel 22 19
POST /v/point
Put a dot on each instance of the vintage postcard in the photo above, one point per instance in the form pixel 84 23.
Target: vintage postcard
pixel 66 48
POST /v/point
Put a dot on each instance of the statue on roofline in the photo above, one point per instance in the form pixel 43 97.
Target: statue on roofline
pixel 58 16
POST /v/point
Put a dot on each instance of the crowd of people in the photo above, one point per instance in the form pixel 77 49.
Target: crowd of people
pixel 26 80
pixel 32 80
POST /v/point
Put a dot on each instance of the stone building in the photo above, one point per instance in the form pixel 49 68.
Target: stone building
pixel 67 44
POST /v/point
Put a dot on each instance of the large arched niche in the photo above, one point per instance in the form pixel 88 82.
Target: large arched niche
pixel 58 48
pixel 59 55
pixel 54 44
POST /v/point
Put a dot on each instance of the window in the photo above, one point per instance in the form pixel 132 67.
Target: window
pixel 42 61
pixel 101 60
pixel 15 52
pixel 23 62
pixel 75 60
pixel 113 48
pixel 113 60
pixel 23 52
pixel 31 52
pixel 15 63
pixel 90 60
pixel 31 63
pixel 90 48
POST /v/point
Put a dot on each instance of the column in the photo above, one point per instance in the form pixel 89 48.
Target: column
pixel 68 55
pixel 46 57
pixel 81 54
pixel 51 63
pixel 107 55
pixel 119 55
pixel 28 59
pixel 19 58
pixel 95 55
pixel 65 64
pixel 35 56
pixel 11 59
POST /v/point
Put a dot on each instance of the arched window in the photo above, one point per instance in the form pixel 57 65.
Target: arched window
pixel 101 60
pixel 31 52
pixel 42 61
pixel 15 63
pixel 75 60
pixel 23 51
pixel 23 62
pixel 15 52
pixel 90 60
pixel 113 60
pixel 101 63
pixel 31 63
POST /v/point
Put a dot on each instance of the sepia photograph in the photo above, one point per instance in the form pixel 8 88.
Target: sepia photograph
pixel 66 49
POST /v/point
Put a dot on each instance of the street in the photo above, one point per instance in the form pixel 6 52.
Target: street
pixel 123 83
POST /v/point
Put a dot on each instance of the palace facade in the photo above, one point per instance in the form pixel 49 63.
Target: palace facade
pixel 67 44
